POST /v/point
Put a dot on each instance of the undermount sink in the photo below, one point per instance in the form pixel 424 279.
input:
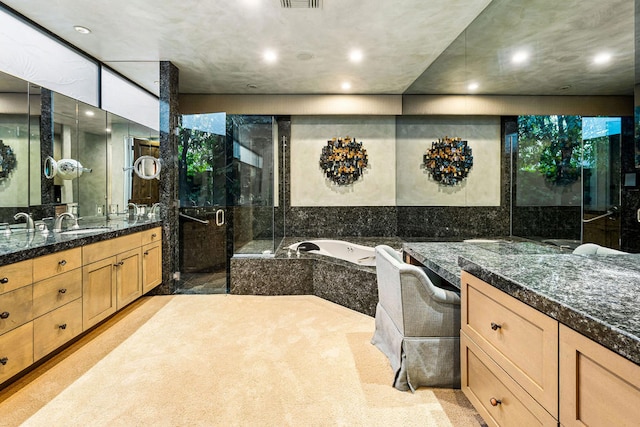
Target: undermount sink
pixel 86 230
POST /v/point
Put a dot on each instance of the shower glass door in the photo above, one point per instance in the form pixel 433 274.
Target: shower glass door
pixel 228 185
pixel 601 180
pixel 203 220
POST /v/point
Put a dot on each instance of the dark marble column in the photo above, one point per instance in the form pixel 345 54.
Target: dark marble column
pixel 46 143
pixel 169 196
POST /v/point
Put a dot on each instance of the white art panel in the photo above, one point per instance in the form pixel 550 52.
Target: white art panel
pixel 416 187
pixel 309 184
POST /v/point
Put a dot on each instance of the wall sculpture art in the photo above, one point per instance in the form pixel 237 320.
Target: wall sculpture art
pixel 343 160
pixel 7 160
pixel 448 160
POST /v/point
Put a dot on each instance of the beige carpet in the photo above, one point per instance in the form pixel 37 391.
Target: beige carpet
pixel 209 360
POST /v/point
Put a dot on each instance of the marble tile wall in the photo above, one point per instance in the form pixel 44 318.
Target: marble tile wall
pixel 169 196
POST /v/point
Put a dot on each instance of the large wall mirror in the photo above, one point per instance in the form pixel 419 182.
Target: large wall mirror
pixel 60 155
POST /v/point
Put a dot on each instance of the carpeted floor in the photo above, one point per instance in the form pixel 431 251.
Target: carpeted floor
pixel 209 360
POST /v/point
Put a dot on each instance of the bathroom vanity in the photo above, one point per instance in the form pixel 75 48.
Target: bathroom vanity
pixel 62 285
pixel 548 339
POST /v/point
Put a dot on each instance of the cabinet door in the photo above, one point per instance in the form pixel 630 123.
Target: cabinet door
pixel 56 328
pixel 597 386
pixel 151 266
pixel 128 277
pixel 16 308
pixel 98 291
pixel 16 351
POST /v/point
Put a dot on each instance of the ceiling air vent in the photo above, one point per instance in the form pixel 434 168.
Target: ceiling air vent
pixel 301 4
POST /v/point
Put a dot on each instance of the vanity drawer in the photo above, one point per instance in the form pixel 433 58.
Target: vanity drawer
pixel 520 339
pixel 16 275
pixel 16 351
pixel 108 248
pixel 57 291
pixel 152 236
pixel 56 263
pixel 495 395
pixel 16 308
pixel 56 328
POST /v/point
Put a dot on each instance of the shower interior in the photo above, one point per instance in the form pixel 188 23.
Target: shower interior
pixel 229 196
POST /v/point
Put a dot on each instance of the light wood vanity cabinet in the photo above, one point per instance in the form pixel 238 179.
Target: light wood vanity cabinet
pixel 597 386
pixel 98 291
pixel 49 300
pixel 520 367
pixel 57 303
pixel 16 351
pixel 514 348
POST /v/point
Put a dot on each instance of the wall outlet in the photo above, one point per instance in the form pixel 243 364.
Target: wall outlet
pixel 98 210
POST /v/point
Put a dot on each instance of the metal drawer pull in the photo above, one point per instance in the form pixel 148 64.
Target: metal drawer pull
pixel 4 315
pixel 63 326
pixel 4 360
pixel 146 252
pixel 495 326
pixel 118 264
pixel 62 291
pixel 63 262
pixel 494 401
pixel 4 280
pixel 154 235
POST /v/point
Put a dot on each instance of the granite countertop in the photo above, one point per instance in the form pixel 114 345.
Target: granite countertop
pixel 442 257
pixel 596 295
pixel 20 245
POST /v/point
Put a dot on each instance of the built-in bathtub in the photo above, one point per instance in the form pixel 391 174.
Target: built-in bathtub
pixel 340 249
pixel 312 272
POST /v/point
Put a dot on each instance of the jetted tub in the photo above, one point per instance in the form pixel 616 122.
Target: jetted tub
pixel 357 254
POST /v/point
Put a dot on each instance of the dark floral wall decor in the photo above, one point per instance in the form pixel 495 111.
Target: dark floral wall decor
pixel 343 160
pixel 449 160
pixel 7 160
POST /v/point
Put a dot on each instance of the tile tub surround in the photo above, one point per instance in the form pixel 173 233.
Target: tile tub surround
pixel 335 280
pixel 596 295
pixel 20 245
pixel 442 257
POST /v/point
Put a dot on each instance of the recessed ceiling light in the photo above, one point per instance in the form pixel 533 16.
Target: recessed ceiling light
pixel 252 86
pixel 519 57
pixel 81 29
pixel 473 86
pixel 90 113
pixel 355 55
pixel 270 56
pixel 602 58
pixel 346 86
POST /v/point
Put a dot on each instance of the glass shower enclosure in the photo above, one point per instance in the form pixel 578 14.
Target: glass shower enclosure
pixel 228 196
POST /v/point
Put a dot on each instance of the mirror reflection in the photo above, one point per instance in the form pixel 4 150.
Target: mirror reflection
pixel 60 155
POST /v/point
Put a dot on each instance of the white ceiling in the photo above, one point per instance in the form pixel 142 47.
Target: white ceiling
pixel 409 46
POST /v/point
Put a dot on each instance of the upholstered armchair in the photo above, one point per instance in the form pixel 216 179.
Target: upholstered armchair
pixel 417 325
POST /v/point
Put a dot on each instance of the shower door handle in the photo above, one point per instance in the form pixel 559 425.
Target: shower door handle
pixel 220 217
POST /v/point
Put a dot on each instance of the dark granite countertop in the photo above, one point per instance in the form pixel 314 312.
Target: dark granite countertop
pixel 596 295
pixel 442 257
pixel 20 245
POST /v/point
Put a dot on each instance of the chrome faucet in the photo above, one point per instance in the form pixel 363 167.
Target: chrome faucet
pixel 135 210
pixel 155 209
pixel 57 227
pixel 30 226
